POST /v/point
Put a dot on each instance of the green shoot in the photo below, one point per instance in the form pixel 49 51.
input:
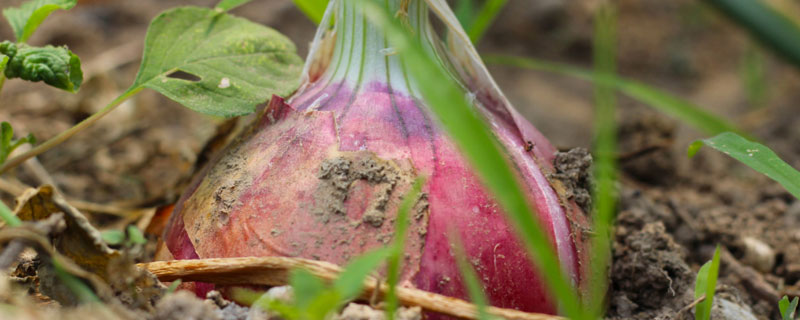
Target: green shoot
pixel 484 19
pixel 706 285
pixel 25 19
pixel 753 77
pixel 754 155
pixel 605 149
pixel 470 278
pixel 398 247
pixel 7 144
pixel 174 286
pixel 113 237
pixel 81 290
pixel 474 138
pixel 788 309
pixel 662 101
pixel 9 217
pixel 765 23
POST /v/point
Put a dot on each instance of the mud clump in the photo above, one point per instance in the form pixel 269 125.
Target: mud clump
pixel 338 174
pixel 649 269
pixel 644 144
pixel 573 169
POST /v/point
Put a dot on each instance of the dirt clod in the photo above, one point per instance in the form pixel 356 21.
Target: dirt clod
pixel 573 169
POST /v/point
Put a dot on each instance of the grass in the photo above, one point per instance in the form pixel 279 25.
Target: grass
pixel 605 150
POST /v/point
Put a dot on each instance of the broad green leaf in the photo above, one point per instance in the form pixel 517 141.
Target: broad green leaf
pixel 238 64
pixel 351 281
pixel 226 5
pixel 788 309
pixel 314 9
pixel 399 245
pixel 474 138
pixel 765 23
pixel 706 284
pixel 754 155
pixel 56 66
pixel 662 101
pixel 605 151
pixel 25 19
pixel 306 287
pixel 113 237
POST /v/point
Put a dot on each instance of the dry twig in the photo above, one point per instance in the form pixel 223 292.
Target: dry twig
pixel 274 271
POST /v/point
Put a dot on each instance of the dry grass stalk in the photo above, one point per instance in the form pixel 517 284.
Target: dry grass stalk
pixel 274 271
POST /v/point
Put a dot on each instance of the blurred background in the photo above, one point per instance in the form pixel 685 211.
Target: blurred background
pixel 142 154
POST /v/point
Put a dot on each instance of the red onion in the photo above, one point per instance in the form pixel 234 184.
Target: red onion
pixel 321 176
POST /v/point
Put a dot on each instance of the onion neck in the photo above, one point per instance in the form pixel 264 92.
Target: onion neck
pixel 363 55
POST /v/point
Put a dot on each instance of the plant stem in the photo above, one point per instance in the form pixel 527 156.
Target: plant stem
pixel 63 136
pixel 2 82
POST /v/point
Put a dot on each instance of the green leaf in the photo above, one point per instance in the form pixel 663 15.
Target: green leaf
pixel 471 281
pixel 484 19
pixel 25 19
pixel 399 245
pixel 706 284
pixel 7 144
pixel 753 77
pixel 474 138
pixel 135 235
pixel 3 62
pixel 113 237
pixel 770 26
pixel 351 281
pixel 662 101
pixel 605 151
pixel 788 309
pixel 239 64
pixel 226 5
pixel 9 217
pixel 754 155
pixel 56 66
pixel 306 287
pixel 314 9
pixel 174 286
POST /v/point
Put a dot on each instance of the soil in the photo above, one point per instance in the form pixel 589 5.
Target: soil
pixel 673 210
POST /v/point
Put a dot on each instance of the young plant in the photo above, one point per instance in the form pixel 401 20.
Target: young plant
pixel 320 176
pixel 705 285
pixel 756 156
pixel 788 309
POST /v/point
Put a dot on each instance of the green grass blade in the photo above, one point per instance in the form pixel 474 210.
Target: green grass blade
pixel 662 101
pixel 770 26
pixel 605 150
pixel 465 11
pixel 706 284
pixel 9 217
pixel 306 287
pixel 753 76
pixel 351 281
pixel 313 9
pixel 470 278
pixel 478 144
pixel 484 19
pixel 399 245
pixel 756 156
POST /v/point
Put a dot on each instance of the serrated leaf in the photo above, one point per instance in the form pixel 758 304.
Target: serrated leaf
pixel 226 5
pixel 756 156
pixel 238 63
pixel 56 66
pixel 26 18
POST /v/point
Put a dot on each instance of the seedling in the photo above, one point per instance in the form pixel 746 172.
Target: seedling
pixel 788 309
pixel 705 285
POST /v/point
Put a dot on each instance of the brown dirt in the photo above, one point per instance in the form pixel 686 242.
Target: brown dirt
pixel 673 210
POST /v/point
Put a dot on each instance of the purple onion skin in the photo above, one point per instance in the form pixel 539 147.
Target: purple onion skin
pixel 322 178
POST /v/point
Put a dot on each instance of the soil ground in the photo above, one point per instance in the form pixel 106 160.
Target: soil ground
pixel 673 210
